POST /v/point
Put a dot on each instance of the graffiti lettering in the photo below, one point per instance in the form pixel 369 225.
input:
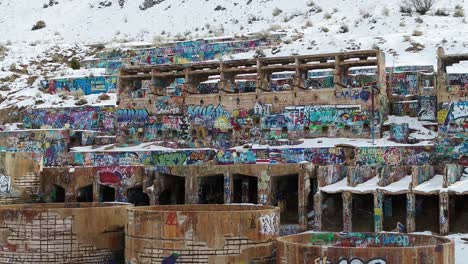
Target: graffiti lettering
pixel 269 224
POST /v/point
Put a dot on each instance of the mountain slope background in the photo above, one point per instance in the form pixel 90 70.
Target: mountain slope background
pixel 28 56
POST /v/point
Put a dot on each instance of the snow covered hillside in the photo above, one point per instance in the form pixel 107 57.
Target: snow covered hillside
pixel 314 26
pixel 28 56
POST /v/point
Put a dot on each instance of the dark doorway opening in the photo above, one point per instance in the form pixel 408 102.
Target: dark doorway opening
pixel 245 189
pixel 332 212
pixel 137 197
pixel 85 194
pixel 106 193
pixel 427 213
pixel 363 213
pixel 394 211
pixel 173 190
pixel 211 190
pixel 285 196
pixel 57 194
pixel 458 214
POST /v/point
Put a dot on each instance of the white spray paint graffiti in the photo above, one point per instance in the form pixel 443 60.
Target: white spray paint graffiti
pixel 324 260
pixel 5 184
pixel 269 224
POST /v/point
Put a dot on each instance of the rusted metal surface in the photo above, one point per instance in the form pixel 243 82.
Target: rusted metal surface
pixel 62 233
pixel 375 248
pixel 201 234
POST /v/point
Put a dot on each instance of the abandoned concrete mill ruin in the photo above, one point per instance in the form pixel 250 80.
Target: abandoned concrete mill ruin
pixel 328 142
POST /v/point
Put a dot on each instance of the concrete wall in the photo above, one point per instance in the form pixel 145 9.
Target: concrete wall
pixel 202 233
pixel 381 248
pixel 62 233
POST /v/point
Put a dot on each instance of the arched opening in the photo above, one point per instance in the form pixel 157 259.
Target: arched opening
pixel 394 211
pixel 137 197
pixel 173 190
pixel 245 189
pixel 458 214
pixel 332 212
pixel 285 195
pixel 211 190
pixel 85 194
pixel 427 213
pixel 363 213
pixel 57 194
pixel 106 193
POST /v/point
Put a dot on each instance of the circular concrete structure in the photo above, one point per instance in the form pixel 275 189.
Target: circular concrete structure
pixel 364 248
pixel 62 233
pixel 201 234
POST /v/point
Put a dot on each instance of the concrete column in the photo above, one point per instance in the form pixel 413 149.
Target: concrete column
pixel 245 190
pixel 264 188
pixel 347 211
pixel 192 185
pixel 378 211
pixel 410 212
pixel 96 189
pixel 298 79
pixel 303 193
pixel 318 197
pixel 228 188
pixel 339 73
pixel 444 213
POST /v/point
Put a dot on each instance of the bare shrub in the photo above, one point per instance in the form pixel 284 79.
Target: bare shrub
pixel 277 11
pixel 420 6
pixel 39 25
pixel 441 12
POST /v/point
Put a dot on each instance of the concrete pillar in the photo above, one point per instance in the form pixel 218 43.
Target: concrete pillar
pixel 299 76
pixel 264 188
pixel 303 193
pixel 339 73
pixel 245 190
pixel 192 185
pixel 96 189
pixel 378 211
pixel 444 213
pixel 228 188
pixel 347 211
pixel 318 197
pixel 410 212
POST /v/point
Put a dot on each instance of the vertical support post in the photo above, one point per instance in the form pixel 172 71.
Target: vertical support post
pixel 96 189
pixel 410 212
pixel 298 80
pixel 192 185
pixel 444 213
pixel 347 211
pixel 222 79
pixel 318 200
pixel 228 187
pixel 264 188
pixel 338 75
pixel 303 193
pixel 260 76
pixel 378 211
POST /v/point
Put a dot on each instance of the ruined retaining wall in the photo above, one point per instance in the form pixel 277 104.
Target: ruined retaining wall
pixel 360 248
pixel 62 233
pixel 202 234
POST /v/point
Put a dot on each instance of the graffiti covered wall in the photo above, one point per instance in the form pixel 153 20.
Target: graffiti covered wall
pixel 78 118
pixel 87 85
